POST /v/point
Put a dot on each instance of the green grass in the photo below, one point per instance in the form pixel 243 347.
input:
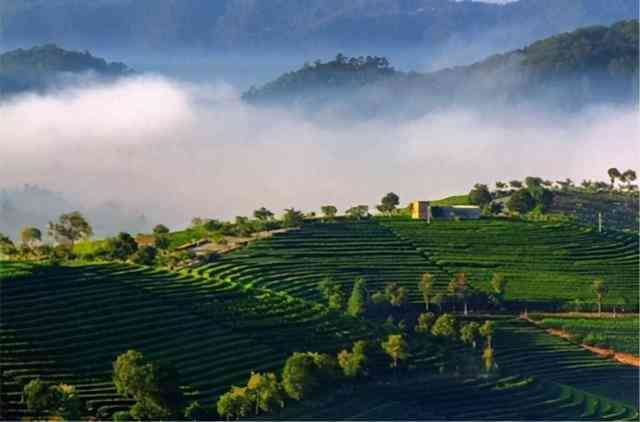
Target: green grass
pixel 89 247
pixel 182 237
pixel 453 200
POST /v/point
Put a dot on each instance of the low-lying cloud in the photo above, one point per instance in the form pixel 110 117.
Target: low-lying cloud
pixel 173 150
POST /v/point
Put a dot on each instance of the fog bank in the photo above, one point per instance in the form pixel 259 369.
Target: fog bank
pixel 173 150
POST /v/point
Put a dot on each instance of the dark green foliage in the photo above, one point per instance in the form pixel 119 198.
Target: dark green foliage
pixel 445 326
pixel 121 247
pixel 358 212
pixel 153 385
pixel 388 203
pixel 304 373
pixel 336 75
pixel 329 211
pixel 263 214
pixel 160 229
pixel 59 400
pixel 6 246
pixel 35 68
pixel 480 195
pixel 521 201
pixel 292 218
pixel 358 299
pixel 333 293
pixel 39 397
pixel 145 255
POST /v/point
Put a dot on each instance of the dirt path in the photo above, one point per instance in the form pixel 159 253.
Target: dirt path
pixel 622 357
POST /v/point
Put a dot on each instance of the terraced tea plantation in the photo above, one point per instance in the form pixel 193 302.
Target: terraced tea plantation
pixel 249 310
pixel 541 262
pixel 68 325
pixel 542 378
pixel 296 261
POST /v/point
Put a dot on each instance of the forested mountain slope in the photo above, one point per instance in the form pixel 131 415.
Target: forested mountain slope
pixel 290 24
pixel 590 65
pixel 41 66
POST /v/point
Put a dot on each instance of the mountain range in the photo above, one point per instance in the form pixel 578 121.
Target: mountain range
pixel 295 24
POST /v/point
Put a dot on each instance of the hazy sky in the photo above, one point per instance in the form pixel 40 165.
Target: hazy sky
pixel 175 150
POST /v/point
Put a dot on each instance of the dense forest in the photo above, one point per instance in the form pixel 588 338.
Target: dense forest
pixel 37 67
pixel 291 24
pixel 591 64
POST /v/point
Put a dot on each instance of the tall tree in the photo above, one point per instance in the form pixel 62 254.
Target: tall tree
pixel 459 286
pixel 160 229
pixel 263 214
pixel 30 236
pixel 352 363
pixel 234 404
pixel 71 226
pixel 266 391
pixel 388 203
pixel 614 174
pixel 358 299
pixel 600 289
pixel 469 333
pixel 329 211
pixel 292 218
pixel 425 285
pixel 445 326
pixel 397 348
pixel 154 386
pixel 358 212
pixel 498 287
pixel 486 331
pixel 480 195
pixel 629 176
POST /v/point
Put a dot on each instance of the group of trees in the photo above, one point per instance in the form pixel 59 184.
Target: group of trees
pixel 522 198
pixel 60 400
pixel 535 193
pixel 303 375
pixel 65 231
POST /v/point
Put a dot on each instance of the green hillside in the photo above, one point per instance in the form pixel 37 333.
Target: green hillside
pixel 216 333
pixel 543 263
pixel 590 64
pixel 35 68
pixel 212 330
pixel 549 379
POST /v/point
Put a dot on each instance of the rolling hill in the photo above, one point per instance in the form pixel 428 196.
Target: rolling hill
pixel 250 309
pixel 590 65
pixel 43 66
